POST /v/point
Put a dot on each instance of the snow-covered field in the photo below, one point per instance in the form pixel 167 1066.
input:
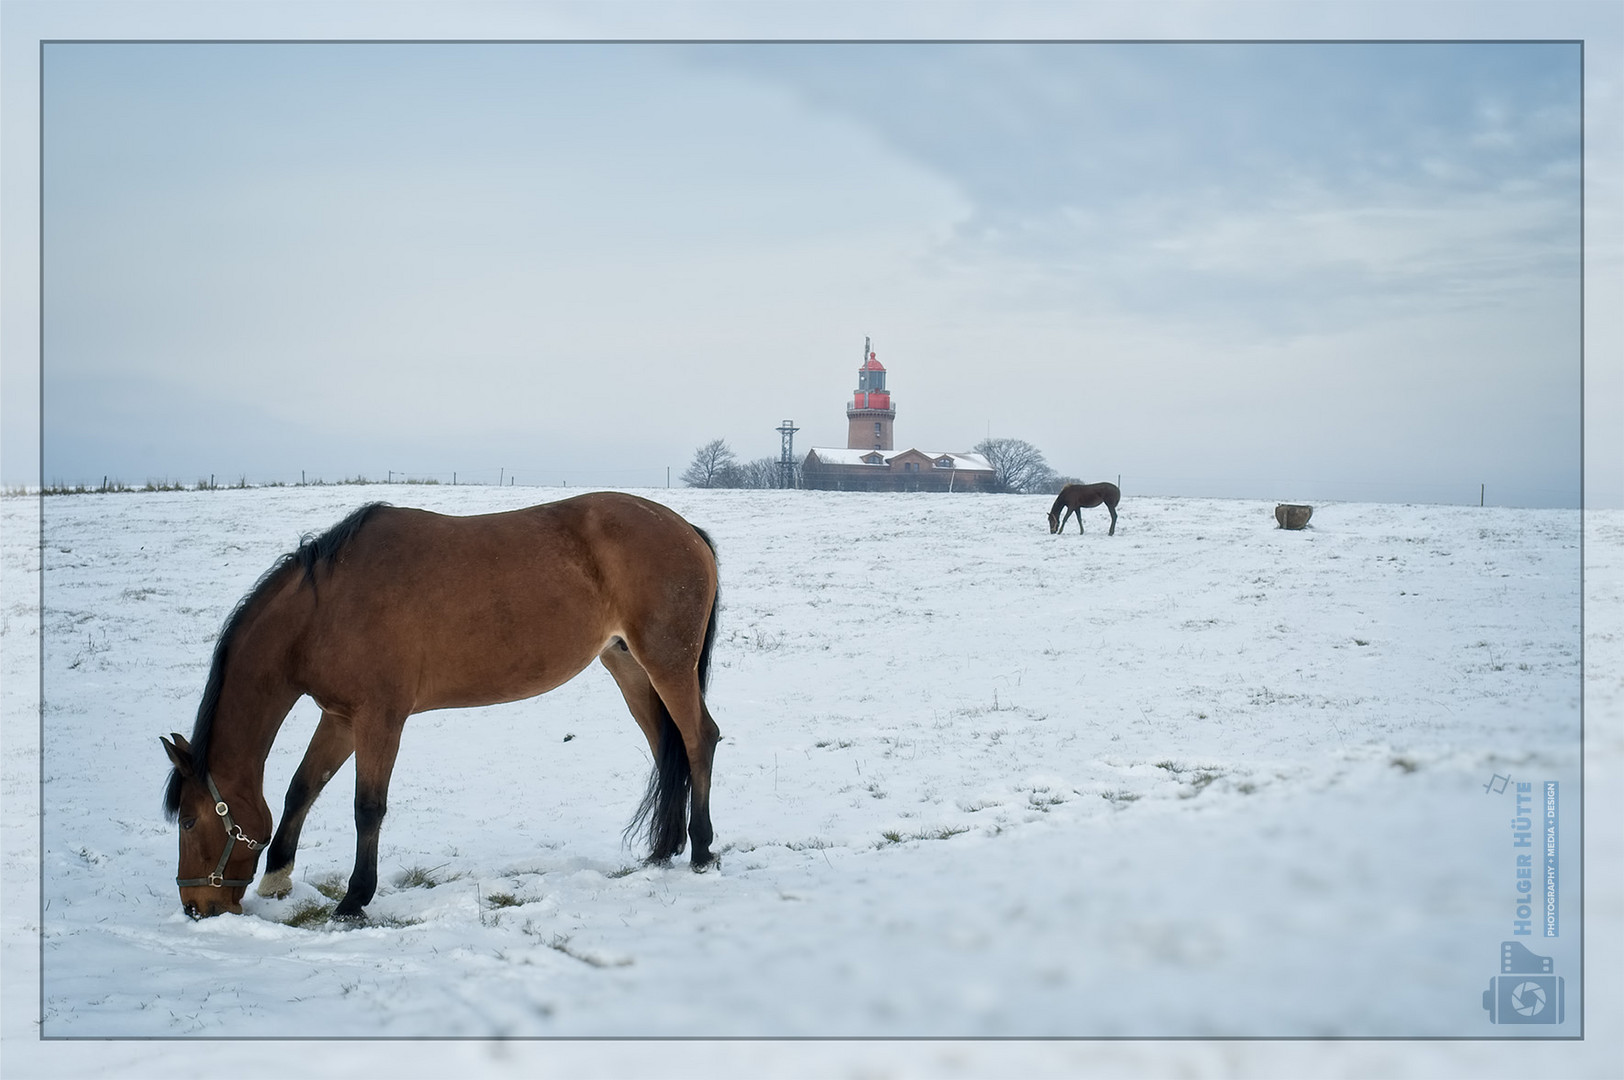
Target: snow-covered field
pixel 1205 777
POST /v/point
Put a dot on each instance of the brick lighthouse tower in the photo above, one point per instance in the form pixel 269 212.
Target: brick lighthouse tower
pixel 869 416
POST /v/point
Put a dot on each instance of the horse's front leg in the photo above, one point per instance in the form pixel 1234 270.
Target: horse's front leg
pixel 377 741
pixel 329 748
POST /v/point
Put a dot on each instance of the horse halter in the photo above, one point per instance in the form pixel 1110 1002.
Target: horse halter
pixel 233 834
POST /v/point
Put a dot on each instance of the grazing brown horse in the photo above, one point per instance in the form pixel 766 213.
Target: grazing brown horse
pixel 1075 497
pixel 394 612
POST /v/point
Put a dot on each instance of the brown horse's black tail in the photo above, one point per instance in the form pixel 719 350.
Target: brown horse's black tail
pixel 665 804
pixel 664 807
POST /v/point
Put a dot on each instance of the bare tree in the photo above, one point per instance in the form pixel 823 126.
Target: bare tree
pixel 1017 465
pixel 760 473
pixel 713 466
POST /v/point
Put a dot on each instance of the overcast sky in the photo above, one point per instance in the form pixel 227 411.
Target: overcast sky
pixel 1285 271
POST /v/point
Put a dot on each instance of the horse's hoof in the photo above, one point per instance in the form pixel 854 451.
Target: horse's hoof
pixel 700 866
pixel 351 918
pixel 276 883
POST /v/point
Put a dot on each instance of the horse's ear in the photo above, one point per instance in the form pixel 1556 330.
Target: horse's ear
pixel 180 753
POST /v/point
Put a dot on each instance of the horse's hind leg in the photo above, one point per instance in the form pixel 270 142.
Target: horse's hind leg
pixel 700 828
pixel 664 806
pixel 671 785
pixel 686 706
pixel 643 703
pixel 329 748
pixel 1112 508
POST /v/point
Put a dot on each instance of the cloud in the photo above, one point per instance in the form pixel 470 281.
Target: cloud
pixel 609 254
pixel 1345 174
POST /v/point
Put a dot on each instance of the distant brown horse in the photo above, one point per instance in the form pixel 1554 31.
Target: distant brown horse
pixel 394 612
pixel 1076 497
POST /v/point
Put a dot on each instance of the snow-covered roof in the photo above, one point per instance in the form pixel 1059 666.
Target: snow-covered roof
pixel 840 455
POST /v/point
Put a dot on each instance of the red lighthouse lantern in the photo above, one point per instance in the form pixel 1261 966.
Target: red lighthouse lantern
pixel 869 416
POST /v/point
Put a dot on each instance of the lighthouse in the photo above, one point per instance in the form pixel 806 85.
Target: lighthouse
pixel 870 463
pixel 869 416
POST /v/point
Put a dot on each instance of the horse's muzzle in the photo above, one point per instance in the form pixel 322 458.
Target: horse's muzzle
pixel 209 908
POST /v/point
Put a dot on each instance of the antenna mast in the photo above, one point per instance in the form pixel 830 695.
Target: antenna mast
pixel 786 454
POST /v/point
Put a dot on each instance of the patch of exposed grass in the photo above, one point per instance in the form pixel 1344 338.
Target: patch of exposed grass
pixel 815 844
pixel 308 913
pixel 332 886
pixel 946 832
pixel 624 871
pixel 1199 782
pixel 1042 799
pixel 502 900
pixel 416 877
pixel 1409 765
pixel 561 943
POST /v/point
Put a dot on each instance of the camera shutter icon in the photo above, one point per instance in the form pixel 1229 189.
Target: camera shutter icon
pixel 1528 999
pixel 1526 991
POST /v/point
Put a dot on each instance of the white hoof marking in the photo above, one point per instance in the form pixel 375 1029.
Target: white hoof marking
pixel 277 884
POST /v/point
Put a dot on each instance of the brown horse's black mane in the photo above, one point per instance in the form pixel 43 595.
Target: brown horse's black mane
pixel 313 551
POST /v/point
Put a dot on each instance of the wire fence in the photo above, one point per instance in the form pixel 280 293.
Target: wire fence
pixel 1309 489
pixel 1300 489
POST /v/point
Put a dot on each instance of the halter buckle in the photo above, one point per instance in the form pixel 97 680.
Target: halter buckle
pixel 217 879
